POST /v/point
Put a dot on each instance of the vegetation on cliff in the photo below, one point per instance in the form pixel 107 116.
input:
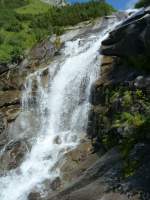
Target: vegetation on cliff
pixel 120 114
pixel 24 23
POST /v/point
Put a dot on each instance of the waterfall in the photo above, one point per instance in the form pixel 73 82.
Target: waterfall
pixel 61 110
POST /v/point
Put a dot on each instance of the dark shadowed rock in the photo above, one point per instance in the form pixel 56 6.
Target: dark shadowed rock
pixel 3 68
pixel 34 196
pixel 130 38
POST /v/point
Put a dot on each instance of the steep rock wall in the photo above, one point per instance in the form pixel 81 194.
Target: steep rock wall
pixel 121 101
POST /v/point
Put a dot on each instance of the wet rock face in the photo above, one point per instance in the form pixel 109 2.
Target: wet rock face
pixel 3 131
pixel 130 38
pixel 9 98
pixel 43 51
pixel 34 196
pixel 103 180
pixel 77 161
pixel 100 181
pixel 13 155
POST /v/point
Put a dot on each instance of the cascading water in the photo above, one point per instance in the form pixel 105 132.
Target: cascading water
pixel 61 110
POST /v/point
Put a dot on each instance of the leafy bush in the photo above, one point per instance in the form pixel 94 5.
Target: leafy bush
pixel 5 56
pixel 13 26
pixel 127 98
pixel 16 54
pixel 40 34
pixel 16 40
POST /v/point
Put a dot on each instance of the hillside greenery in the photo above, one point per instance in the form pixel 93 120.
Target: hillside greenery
pixel 142 3
pixel 26 22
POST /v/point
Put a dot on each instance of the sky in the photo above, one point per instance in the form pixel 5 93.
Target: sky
pixel 118 4
pixel 122 4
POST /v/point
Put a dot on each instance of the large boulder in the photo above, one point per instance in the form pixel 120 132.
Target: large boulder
pixel 130 38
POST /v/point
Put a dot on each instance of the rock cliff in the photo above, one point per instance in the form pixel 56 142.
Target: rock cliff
pixel 121 102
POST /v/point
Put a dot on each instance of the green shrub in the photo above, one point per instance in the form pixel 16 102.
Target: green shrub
pixel 16 40
pixel 139 93
pixel 13 26
pixel 58 30
pixel 5 56
pixel 16 54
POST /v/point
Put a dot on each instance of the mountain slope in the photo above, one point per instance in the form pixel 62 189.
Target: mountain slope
pixel 25 23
